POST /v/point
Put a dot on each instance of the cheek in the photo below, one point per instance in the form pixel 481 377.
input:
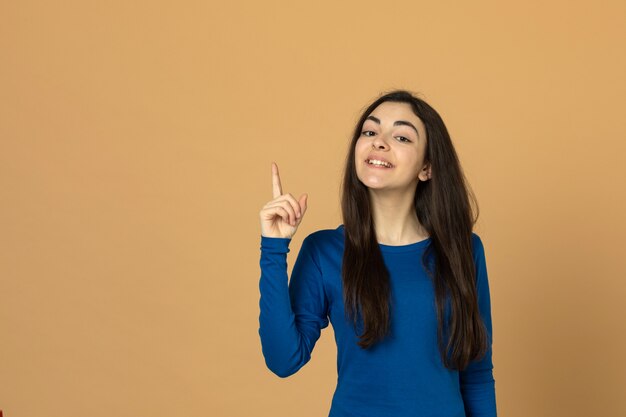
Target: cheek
pixel 360 153
pixel 359 148
pixel 410 162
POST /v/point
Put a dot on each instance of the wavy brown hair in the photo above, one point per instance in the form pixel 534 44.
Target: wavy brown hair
pixel 442 205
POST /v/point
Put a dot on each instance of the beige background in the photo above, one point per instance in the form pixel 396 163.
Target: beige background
pixel 135 148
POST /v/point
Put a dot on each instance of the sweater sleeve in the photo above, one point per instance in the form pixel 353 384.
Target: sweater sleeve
pixel 476 381
pixel 291 314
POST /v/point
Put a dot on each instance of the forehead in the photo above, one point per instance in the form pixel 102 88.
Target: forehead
pixel 389 112
pixel 391 109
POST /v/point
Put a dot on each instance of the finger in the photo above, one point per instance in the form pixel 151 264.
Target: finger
pixel 277 189
pixel 284 204
pixel 294 203
pixel 303 203
pixel 269 211
pixel 283 213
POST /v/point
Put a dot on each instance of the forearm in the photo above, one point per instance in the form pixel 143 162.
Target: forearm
pixel 281 341
pixel 479 395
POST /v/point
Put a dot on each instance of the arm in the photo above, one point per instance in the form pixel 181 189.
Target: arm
pixel 292 314
pixel 477 382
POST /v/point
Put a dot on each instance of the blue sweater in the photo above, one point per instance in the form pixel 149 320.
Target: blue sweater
pixel 401 376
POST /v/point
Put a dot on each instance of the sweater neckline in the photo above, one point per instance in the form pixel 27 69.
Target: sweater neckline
pixel 415 246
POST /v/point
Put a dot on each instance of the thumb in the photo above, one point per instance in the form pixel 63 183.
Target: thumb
pixel 303 202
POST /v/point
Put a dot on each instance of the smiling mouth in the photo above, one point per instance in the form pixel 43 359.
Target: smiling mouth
pixel 379 164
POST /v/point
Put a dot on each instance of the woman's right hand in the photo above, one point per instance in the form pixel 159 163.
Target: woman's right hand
pixel 282 215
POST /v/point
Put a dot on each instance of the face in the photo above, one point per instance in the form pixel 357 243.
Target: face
pixel 393 133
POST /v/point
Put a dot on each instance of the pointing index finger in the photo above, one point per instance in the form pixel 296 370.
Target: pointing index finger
pixel 277 190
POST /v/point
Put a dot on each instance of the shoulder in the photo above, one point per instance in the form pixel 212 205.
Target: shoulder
pixel 324 236
pixel 476 240
pixel 478 248
pixel 325 241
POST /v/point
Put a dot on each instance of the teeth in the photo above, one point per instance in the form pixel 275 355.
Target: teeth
pixel 376 162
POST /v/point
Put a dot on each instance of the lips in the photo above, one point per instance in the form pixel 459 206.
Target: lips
pixel 379 158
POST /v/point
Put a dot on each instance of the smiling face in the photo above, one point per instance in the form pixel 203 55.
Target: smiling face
pixel 394 134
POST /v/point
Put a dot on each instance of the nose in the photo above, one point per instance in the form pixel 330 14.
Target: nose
pixel 380 141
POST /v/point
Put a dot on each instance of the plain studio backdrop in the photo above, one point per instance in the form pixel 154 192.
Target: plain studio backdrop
pixel 136 141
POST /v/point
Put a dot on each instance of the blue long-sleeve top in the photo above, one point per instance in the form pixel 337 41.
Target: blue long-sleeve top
pixel 403 375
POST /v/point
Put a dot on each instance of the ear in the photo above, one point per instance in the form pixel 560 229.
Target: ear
pixel 426 173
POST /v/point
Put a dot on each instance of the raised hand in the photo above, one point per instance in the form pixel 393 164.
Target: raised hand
pixel 282 215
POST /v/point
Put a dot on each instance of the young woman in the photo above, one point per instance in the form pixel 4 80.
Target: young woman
pixel 403 280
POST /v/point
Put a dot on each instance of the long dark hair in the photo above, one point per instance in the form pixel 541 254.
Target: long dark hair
pixel 443 208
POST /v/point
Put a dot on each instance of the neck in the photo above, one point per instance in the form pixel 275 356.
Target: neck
pixel 395 220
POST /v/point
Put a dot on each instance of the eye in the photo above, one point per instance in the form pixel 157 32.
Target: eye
pixel 365 133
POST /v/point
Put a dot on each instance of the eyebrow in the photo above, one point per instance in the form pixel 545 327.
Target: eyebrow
pixel 396 123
